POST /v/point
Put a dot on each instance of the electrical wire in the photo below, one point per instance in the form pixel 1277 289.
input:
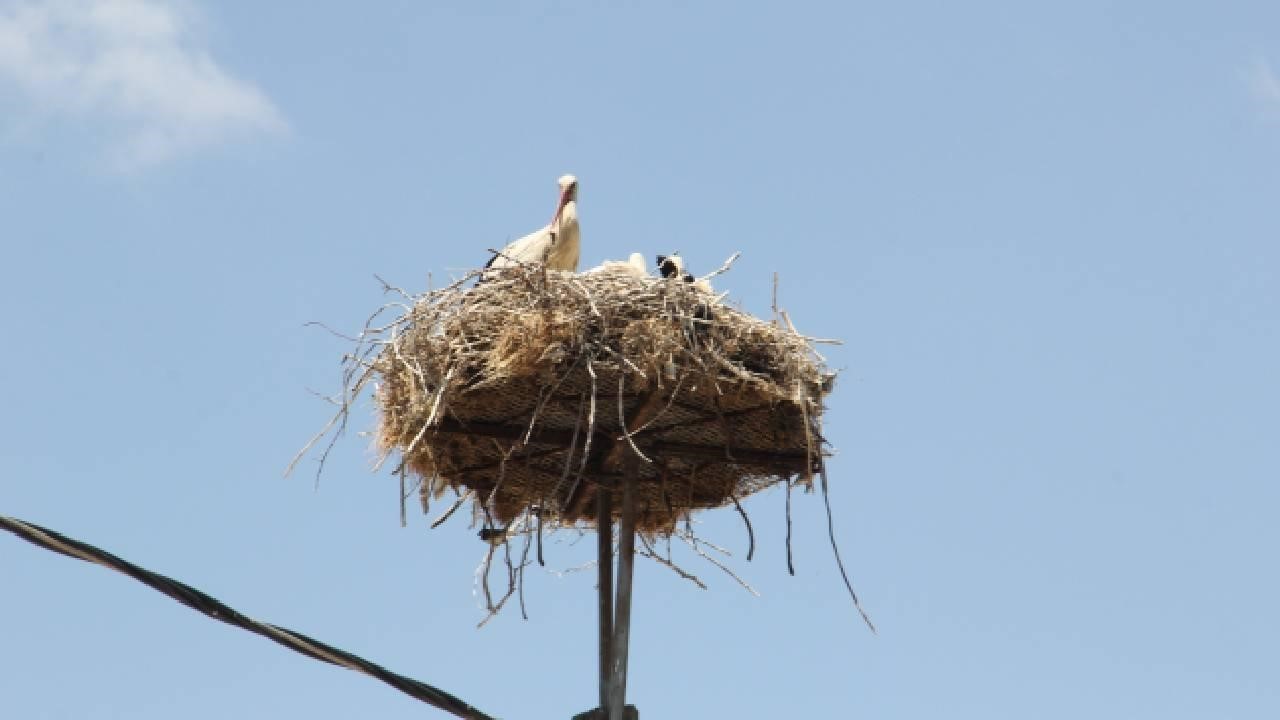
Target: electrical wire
pixel 212 607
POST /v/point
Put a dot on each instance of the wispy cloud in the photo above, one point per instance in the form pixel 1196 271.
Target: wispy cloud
pixel 131 68
pixel 1265 84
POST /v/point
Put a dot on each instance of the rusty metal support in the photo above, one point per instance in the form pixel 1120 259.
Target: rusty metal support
pixel 604 560
pixel 622 608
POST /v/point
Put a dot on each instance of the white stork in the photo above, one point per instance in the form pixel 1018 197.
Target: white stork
pixel 556 245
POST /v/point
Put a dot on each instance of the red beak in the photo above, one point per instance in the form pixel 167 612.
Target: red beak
pixel 565 196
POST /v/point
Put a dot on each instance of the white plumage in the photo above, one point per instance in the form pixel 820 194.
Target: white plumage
pixel 557 244
pixel 633 265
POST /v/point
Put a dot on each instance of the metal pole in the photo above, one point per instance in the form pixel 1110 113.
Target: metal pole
pixel 622 608
pixel 604 560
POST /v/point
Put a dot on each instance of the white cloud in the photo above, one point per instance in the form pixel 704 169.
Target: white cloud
pixel 131 68
pixel 1265 84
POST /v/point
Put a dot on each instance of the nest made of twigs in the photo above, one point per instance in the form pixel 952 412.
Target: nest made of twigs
pixel 527 390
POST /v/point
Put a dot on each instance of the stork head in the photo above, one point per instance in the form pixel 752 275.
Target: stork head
pixel 568 194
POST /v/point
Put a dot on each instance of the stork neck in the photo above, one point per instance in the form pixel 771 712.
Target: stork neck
pixel 568 215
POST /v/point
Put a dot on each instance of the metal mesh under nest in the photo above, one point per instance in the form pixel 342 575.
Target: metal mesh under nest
pixel 527 390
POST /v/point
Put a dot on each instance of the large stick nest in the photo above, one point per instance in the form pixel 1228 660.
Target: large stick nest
pixel 529 388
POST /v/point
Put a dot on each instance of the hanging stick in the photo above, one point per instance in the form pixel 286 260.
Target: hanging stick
pixel 791 568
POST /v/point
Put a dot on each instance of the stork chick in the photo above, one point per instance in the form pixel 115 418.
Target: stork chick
pixel 672 266
pixel 633 265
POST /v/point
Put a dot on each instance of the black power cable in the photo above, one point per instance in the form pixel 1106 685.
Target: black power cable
pixel 199 601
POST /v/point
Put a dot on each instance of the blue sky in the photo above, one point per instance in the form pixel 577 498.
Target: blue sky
pixel 1047 236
